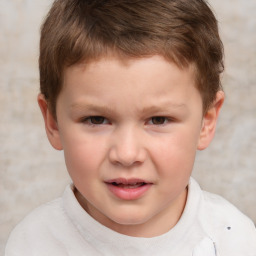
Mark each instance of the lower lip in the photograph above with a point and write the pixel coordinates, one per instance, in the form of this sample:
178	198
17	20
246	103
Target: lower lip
129	193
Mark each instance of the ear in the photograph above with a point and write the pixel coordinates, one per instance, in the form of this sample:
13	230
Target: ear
51	125
209	122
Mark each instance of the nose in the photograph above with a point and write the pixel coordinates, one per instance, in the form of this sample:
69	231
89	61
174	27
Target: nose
127	148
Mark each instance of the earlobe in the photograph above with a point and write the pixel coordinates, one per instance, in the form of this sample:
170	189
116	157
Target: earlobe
209	122
51	125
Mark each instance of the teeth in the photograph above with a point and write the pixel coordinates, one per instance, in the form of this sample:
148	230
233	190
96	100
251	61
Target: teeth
131	185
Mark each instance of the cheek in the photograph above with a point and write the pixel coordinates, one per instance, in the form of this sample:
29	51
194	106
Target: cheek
175	155
83	158
174	163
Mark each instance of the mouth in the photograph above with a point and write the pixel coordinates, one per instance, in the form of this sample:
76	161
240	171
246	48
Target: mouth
128	189
127	183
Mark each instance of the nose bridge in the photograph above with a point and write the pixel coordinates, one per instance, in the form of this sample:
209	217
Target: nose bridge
127	147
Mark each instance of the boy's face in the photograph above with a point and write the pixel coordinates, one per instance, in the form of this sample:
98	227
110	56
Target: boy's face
130	130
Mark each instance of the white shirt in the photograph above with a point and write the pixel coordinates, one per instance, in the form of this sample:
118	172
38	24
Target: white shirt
209	226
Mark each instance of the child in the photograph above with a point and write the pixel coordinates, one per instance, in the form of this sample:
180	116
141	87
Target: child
130	90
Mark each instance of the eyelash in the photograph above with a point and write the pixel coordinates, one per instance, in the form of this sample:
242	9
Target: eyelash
89	121
163	120
160	120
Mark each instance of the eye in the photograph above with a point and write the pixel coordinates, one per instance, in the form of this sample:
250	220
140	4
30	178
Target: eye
95	120
158	120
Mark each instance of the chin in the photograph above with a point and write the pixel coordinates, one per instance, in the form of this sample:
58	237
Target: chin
130	219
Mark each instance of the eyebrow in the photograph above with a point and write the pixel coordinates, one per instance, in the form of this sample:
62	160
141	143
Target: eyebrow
163	107
108	110
93	107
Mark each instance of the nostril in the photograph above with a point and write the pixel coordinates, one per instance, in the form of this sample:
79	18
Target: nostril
124	159
127	152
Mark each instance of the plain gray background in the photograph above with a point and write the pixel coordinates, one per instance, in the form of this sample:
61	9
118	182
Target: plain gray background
32	173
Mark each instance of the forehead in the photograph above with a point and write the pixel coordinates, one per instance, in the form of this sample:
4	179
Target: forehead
141	82
134	66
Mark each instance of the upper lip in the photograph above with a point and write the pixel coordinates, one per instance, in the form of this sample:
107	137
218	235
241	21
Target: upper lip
125	181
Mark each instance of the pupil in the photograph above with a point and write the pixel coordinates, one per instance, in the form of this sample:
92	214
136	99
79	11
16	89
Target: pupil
97	119
158	120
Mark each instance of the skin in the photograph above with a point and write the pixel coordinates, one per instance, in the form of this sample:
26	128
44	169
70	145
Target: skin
131	119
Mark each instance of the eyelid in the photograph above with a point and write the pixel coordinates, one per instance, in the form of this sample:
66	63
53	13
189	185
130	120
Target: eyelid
88	120
166	121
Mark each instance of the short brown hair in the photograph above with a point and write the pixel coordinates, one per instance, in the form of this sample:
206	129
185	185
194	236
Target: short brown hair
183	31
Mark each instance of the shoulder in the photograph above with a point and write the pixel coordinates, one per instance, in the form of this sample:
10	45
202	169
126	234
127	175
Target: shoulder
41	215
224	212
35	228
50	230
47	230
231	230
